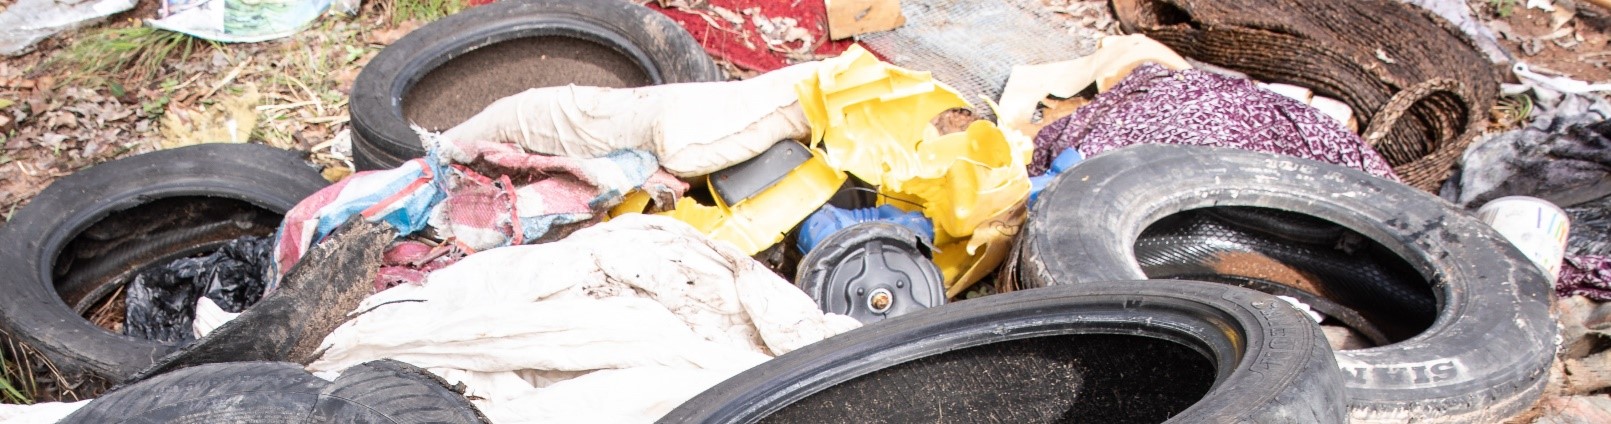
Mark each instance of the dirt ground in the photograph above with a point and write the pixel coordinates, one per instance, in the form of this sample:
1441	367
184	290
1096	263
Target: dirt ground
69	104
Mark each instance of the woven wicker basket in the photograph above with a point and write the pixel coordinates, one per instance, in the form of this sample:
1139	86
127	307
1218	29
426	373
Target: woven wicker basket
1418	86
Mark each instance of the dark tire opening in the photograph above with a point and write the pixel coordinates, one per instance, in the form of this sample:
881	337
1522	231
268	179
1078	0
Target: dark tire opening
92	271
1133	351
70	246
1066	379
458	89
1355	282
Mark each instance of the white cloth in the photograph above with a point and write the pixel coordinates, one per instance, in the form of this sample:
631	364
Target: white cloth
619	322
39	413
693	128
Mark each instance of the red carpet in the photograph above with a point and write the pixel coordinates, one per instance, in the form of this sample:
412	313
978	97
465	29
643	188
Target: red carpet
742	43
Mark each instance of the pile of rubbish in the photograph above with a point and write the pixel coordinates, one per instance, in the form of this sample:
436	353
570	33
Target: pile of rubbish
1315	243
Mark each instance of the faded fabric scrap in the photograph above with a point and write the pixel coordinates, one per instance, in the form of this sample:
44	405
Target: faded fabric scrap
1157	106
498	196
1586	275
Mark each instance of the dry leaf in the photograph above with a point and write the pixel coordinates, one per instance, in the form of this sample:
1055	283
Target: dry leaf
391	35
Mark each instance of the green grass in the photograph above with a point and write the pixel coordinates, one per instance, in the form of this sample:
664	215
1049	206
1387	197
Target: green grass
135	54
10	371
423	10
11	394
1503	8
1513	110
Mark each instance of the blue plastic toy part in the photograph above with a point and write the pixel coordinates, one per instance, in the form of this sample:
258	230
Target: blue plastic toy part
828	219
1065	160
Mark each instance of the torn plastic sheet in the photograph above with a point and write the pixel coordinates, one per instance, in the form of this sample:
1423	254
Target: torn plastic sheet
1564	160
162	299
764	219
621	321
239	21
28	21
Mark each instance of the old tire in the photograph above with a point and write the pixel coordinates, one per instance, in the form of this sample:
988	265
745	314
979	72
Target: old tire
1485	357
1265	361
374	392
382	137
229	190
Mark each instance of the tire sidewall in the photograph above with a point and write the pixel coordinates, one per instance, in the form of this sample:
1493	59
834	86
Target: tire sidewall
1271	363
1492	338
270	178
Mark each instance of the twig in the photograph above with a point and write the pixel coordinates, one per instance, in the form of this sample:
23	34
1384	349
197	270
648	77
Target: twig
316	103
326	119
228	78
265	108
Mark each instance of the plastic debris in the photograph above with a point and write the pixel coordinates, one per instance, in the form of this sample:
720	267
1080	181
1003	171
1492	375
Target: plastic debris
1591	228
1566	161
209	316
1064	161
872	271
162	299
873	120
239	21
763	219
1561	84
28	21
1228	112
830	219
605	333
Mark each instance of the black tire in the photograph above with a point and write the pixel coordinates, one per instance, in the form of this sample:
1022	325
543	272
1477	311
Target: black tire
1262	361
225	190
1485	357
281	392
382	137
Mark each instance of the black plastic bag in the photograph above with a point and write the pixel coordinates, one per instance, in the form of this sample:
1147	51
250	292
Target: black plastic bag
161	300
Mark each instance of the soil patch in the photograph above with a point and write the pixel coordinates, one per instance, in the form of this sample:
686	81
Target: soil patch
458	89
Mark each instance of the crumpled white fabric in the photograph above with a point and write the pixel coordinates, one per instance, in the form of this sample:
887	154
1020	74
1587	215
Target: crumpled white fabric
619	322
39	413
693	128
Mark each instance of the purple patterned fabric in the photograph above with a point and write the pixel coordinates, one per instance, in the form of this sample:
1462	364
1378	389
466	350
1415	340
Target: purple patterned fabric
1586	275
1154	105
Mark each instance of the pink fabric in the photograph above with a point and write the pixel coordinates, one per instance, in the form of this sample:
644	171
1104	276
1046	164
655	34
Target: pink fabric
1157	106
